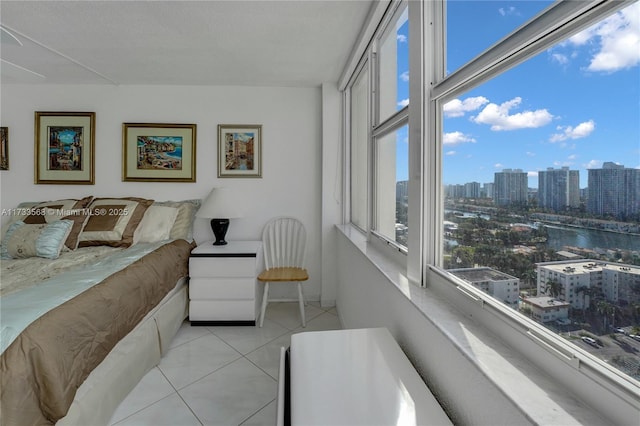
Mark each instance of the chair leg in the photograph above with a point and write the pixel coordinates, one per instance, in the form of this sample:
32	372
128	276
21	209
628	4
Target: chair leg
265	298
301	303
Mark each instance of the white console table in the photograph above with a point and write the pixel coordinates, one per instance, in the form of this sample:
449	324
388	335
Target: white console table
354	377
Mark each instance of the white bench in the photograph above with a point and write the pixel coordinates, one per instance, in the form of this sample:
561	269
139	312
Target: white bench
353	377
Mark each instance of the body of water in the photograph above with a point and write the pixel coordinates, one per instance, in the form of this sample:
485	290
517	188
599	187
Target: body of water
560	236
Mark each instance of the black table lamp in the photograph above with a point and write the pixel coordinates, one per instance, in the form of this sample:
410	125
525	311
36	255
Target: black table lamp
219	206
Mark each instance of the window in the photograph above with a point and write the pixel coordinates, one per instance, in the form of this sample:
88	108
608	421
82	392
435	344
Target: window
517	165
359	148
392	196
393	64
537	137
379	187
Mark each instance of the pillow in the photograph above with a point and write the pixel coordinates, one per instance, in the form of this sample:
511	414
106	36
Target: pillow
79	217
156	224
113	221
50	211
183	226
35	240
17	214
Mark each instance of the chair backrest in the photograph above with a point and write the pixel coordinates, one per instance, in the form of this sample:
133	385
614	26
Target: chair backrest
284	242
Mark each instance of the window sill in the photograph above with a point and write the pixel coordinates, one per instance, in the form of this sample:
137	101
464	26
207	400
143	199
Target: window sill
539	396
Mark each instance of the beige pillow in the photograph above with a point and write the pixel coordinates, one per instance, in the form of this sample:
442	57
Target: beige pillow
156	224
113	221
183	225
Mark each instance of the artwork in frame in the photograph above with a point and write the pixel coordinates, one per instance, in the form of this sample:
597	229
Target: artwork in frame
153	152
64	148
239	150
4	148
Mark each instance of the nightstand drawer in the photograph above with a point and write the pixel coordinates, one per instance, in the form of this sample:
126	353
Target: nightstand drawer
222	267
222	310
222	288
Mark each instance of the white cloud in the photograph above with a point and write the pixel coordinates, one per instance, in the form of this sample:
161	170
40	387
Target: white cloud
457	108
403	103
455	138
582	130
532	174
593	164
402	38
499	118
508	11
560	58
498	166
450	153
531	154
572	157
404	76
618	39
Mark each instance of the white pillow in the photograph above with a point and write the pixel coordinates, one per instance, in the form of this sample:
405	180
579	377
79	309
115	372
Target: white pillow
156	224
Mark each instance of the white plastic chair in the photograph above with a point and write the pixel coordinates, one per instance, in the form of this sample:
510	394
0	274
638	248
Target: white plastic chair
284	242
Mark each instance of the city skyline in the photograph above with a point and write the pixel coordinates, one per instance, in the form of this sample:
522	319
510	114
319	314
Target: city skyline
573	105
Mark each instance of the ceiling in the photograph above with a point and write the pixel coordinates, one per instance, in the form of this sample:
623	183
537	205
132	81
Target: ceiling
259	43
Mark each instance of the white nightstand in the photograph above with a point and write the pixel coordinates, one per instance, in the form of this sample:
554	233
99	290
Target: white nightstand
222	283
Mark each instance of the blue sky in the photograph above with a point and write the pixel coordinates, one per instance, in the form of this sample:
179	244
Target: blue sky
576	104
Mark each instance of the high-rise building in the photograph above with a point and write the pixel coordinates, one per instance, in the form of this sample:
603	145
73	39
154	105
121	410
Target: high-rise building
472	190
510	187
559	189
614	190
487	190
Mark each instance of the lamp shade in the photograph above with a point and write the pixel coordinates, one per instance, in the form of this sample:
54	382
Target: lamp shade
220	203
220	206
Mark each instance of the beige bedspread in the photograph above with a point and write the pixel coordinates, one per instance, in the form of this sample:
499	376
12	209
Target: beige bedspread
50	359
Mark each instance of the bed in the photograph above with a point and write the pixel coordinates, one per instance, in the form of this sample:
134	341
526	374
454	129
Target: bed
92	292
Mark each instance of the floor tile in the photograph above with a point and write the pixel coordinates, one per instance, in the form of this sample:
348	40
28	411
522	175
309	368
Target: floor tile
264	417
187	333
287	314
152	388
170	411
324	321
191	361
267	357
231	395
247	339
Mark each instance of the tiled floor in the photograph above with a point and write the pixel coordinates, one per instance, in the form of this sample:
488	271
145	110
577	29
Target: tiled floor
220	375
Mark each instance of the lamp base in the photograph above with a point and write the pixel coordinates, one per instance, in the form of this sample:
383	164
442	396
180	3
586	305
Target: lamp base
219	228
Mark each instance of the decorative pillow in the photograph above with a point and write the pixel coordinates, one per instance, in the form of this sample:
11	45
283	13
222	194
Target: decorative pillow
113	221
156	224
183	225
50	211
35	240
79	217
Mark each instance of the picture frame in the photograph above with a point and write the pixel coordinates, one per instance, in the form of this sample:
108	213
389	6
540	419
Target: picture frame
158	152
4	148
64	147
239	151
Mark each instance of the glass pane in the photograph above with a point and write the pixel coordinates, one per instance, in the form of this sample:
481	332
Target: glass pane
359	143
466	39
542	172
394	66
392	197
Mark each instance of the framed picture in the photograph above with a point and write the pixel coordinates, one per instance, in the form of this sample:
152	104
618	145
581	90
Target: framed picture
65	147
4	148
239	150
158	152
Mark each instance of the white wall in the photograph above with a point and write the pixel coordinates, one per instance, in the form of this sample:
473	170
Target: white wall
291	182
